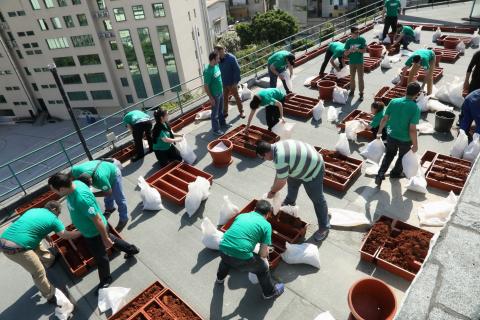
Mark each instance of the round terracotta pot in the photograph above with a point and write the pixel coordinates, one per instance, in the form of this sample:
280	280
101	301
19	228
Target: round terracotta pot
325	87
451	42
221	158
403	82
375	50
438	58
370	298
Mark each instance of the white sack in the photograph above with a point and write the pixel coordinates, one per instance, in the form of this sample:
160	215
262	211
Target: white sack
410	164
347	218
306	253
372	169
211	237
246	93
228	211
283	130
308	81
276	201
473	149
340	95
204	186
425	128
318	110
374	151
151	198
291	210
396	58
418	183
342	146
455	92
442	94
417	32
64	308
186	152
344	72
332	114
398	77
437	213
461	142
219	147
435	105
324	316
112	298
475	39
288	80
193	198
422	102
202	115
461	47
437	34
352	128
386	63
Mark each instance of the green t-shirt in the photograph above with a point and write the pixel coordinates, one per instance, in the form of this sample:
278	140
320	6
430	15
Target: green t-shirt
247	230
279	60
392	7
135	116
213	79
105	176
164	133
270	95
408	31
337	48
377	118
83	207
32	227
426	56
360	43
402	112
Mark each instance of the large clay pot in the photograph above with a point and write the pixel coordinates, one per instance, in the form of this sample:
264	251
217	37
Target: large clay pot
375	50
451	42
325	87
221	158
371	299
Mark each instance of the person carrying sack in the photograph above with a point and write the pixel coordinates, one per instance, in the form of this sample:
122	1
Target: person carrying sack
140	125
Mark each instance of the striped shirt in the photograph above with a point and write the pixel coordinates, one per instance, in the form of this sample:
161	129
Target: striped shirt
297	160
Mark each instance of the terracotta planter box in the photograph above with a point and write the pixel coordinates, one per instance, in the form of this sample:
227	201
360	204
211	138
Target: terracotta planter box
379	95
176	306
299	106
283	220
375	239
437	74
125	154
342	83
176	125
448	173
155	310
369	63
342	163
391	49
244	144
358	115
221	158
395	92
448	55
38	202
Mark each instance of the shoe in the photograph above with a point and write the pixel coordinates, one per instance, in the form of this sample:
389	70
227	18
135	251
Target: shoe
397	175
225	116
218	281
103	285
52	300
218	133
121	224
227	126
321	234
360	97
242	115
378	180
277	291
108	212
133	251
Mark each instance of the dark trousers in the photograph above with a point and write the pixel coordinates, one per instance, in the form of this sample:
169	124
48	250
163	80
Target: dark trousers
328	56
394	146
273	80
406	40
389	22
254	265
166	156
272	115
138	131
384	133
99	252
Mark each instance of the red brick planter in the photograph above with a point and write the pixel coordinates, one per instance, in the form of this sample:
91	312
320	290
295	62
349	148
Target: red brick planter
299	106
391	49
222	158
379	95
125	154
38	202
371	298
358	115
244	144
451	42
369	63
448	55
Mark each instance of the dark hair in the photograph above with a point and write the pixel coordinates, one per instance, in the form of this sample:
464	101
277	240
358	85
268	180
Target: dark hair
263	147
85	178
53	206
255	103
416	58
378	105
413	88
399	27
263	207
354	29
291	59
212	56
60	180
158	114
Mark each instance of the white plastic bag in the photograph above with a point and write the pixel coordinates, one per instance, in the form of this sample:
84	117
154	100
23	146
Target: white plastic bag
398	77
437	214
455	92
410	164
276	201
318	110
422	102
306	253
437	34
219	147
387	40
202	115
228	211
246	93
459	145
204	186
442	94
193	198
112	298
347	218
211	237
283	130
332	114
291	210
372	169
386	63
473	149
352	128
308	81
64	307
425	128
417	32
374	151
151	198
461	47
324	316
340	95
186	152
344	72
396	58
475	39
288	80
435	105
418	183
342	146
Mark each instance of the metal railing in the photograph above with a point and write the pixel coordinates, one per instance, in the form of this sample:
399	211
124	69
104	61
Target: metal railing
22	173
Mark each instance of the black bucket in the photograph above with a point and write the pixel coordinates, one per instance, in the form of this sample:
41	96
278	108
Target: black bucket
444	121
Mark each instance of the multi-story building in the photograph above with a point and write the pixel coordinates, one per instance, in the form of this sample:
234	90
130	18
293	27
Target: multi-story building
108	53
217	18
245	9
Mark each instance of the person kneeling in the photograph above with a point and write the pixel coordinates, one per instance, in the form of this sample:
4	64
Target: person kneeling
164	139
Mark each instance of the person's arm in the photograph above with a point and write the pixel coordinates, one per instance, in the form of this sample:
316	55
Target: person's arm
67	235
290	69
263	252
97	221
412	130
170	140
100	194
129	127
249	121
209	94
280	109
278	185
382	125
332	62
474	63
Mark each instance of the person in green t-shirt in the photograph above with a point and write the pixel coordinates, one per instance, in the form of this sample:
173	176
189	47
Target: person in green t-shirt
355	47
21	243
377	108
238	245
140	125
272	99
405	37
401	118
334	51
422	58
214	88
164	139
87	217
277	64
390	16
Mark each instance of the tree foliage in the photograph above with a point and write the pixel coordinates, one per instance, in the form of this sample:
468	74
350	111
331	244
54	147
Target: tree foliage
230	40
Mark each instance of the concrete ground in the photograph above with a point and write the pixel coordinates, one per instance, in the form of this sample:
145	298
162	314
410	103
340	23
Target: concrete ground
170	242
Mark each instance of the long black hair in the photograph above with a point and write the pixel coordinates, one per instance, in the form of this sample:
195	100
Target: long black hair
158	115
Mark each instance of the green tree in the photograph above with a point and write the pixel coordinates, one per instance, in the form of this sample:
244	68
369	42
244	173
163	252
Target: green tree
245	33
230	40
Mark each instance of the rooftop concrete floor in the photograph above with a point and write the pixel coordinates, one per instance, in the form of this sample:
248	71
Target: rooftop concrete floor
170	242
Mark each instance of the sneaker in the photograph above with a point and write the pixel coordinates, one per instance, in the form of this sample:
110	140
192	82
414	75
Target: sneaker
397	175
361	96
321	234
218	281
278	290
378	180
108	212
103	285
242	115
121	224
133	251
218	133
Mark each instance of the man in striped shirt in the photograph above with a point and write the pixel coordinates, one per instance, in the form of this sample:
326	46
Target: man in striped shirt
298	163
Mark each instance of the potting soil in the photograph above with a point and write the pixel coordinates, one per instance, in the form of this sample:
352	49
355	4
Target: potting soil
378	235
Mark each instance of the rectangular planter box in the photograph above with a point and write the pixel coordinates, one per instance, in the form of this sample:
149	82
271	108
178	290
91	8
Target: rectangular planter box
125	154
342	83
448	55
155	310
246	144
365	253
38	202
335	164
395	92
437	74
465	39
298	105
358	115
369	63
393	268
176	306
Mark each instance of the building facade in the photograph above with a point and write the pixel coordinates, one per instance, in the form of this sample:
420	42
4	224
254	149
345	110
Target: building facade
217	18
109	53
246	9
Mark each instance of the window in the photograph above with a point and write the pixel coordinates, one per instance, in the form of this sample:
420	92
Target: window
119	14
34	45
57	43
21	34
37	69
101	4
43	24
132	62
82	41
30	33
51	101
8	88
113	45
68	21
77	95
194	13
12	14
189	18
44	86
21	13
38	51
48	3
124	82
89	59
59	101
62	3
19	54
27	71
45	70
101	95
52	86
119	64
158	10
8	71
35	4
129	98
149	55
98	77
64	62
34	86
168	56
2	19
75	2
16	88
56	23
2	99
138	13
71	79
82	19
29	52
27	45
16	103
107	24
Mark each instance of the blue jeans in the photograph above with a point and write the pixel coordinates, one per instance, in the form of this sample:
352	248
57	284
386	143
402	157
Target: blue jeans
314	191
406	40
218	118
273	80
119	197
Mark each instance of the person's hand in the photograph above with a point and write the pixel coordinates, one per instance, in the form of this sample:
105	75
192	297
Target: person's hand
379	136
107	243
212	101
245	131
283	120
465	85
414	148
270	194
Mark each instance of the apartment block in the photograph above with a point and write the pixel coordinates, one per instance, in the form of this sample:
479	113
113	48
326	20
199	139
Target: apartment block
245	9
109	53
217	18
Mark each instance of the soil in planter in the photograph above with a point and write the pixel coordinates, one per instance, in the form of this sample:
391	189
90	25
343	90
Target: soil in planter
340	163
442	177
157	313
138	317
139	302
378	235
449	172
71	256
178	308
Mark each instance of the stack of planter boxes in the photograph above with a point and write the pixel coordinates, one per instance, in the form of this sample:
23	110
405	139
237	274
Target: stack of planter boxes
299	106
38	202
245	144
173	179
358	115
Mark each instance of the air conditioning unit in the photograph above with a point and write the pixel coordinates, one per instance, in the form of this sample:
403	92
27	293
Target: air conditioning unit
111	34
101	35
